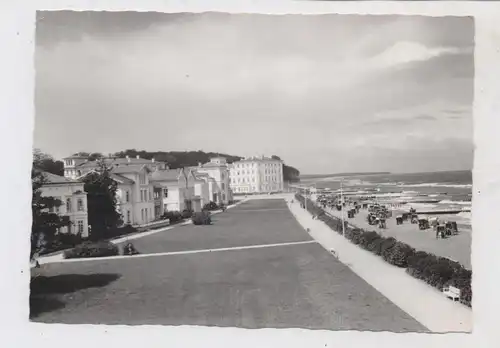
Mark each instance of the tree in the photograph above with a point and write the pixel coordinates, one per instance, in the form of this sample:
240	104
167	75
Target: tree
101	200
95	156
47	163
45	220
290	174
276	157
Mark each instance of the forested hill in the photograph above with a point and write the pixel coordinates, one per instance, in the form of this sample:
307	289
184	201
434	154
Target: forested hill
179	159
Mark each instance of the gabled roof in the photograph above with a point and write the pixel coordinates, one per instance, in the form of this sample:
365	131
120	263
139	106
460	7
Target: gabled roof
76	157
115	176
137	168
58	179
165	175
121	179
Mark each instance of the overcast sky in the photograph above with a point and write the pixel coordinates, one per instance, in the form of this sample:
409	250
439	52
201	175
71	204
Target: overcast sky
329	93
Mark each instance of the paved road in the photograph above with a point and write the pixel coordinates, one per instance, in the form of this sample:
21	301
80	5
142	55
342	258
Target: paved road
298	285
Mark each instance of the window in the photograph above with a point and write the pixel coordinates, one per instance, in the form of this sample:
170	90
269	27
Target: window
68	205
128	216
165	192
149	194
142	214
223	186
142	198
80	204
142	178
146	214
80	226
127	196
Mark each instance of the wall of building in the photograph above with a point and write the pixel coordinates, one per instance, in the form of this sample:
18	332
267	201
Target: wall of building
142	198
125	204
260	175
74	205
201	190
221	177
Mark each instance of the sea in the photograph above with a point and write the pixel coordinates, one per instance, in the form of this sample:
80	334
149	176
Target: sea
446	190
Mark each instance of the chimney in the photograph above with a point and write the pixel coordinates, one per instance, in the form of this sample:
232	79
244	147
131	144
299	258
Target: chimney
137	156
153	160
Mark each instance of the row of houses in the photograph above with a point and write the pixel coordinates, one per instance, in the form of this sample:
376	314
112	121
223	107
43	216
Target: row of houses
146	189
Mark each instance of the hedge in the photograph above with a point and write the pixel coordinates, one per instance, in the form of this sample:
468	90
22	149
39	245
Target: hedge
201	218
90	249
173	216
210	206
435	271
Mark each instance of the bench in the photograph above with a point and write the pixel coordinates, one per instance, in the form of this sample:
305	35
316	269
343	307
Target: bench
452	293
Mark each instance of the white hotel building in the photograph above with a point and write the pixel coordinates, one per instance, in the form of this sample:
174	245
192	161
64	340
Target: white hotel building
256	175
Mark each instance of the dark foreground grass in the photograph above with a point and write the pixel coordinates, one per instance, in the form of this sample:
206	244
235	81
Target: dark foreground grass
48	293
287	286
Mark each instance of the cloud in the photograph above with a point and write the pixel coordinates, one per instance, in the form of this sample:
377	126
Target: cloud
246	84
405	52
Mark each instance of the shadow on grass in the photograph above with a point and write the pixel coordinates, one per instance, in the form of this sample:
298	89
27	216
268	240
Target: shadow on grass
66	283
44	289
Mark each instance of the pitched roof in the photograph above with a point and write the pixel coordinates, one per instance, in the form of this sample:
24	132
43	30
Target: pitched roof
213	165
165	175
135	168
258	159
121	178
118	161
76	157
58	179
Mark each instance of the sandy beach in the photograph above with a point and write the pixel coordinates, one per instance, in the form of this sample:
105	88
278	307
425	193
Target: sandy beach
457	248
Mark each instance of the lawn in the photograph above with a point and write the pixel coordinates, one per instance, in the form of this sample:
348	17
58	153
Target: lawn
300	286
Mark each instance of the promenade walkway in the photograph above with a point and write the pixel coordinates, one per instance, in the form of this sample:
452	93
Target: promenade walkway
421	301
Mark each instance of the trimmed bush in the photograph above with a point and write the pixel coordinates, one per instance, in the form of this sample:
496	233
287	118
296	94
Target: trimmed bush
398	255
201	218
210	206
90	249
186	214
173	216
386	245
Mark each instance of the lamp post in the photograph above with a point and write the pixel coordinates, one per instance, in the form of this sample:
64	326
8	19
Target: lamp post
342	205
305	198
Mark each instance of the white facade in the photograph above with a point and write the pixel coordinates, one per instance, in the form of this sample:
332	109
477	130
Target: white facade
256	175
135	194
178	188
73	199
218	170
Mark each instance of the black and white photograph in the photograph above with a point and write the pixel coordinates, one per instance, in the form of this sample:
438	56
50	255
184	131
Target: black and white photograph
253	170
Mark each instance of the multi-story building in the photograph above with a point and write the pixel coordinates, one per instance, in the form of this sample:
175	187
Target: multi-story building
256	175
177	188
74	202
218	170
134	194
